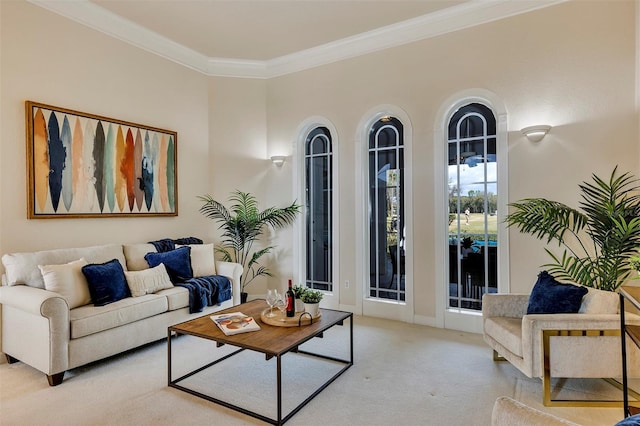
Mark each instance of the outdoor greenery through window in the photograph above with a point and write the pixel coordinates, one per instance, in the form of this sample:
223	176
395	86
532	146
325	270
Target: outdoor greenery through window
386	210
318	193
473	196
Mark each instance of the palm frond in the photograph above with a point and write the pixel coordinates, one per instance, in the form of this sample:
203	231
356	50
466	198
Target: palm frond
545	219
243	224
610	219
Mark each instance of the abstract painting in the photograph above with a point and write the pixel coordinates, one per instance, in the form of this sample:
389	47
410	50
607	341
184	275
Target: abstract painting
84	165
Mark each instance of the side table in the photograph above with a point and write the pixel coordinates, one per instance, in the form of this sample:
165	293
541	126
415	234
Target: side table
631	295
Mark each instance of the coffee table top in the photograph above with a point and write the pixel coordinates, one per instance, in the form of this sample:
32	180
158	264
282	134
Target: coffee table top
269	339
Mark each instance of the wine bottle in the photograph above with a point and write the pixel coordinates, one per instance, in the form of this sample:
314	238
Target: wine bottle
291	301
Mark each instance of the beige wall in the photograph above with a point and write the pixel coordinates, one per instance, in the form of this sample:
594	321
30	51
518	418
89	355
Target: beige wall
50	59
570	65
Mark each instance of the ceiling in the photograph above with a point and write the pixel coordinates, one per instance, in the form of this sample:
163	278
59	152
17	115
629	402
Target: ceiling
266	38
266	29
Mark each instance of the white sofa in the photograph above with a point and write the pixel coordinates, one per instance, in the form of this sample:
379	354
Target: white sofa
39	328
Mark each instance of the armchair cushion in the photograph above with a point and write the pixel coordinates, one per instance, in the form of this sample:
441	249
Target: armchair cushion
508	331
552	297
600	302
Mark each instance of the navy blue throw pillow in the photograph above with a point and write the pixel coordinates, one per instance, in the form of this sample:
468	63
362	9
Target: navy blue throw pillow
177	262
552	297
107	283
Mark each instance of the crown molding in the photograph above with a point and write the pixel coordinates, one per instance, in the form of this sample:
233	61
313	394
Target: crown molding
465	15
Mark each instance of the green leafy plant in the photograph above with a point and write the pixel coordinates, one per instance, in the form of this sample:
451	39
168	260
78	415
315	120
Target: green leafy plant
310	295
243	224
635	264
599	242
298	290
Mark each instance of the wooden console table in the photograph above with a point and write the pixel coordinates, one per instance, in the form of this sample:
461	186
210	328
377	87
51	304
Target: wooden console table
631	295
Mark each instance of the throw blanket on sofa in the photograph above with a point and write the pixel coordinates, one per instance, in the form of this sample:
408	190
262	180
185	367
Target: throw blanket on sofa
203	291
206	291
167	244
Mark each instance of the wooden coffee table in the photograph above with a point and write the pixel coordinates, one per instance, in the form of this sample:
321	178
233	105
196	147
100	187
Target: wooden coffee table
270	340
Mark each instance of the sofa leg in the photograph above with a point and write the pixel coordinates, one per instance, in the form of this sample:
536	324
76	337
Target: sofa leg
497	356
55	379
10	359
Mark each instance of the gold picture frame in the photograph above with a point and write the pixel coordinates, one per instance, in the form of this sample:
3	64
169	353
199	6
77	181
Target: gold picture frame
84	165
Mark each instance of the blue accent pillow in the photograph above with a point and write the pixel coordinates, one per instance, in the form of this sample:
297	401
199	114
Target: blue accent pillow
552	297
177	262
107	283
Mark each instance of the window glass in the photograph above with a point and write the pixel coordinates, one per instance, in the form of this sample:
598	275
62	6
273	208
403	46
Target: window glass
318	203
386	210
472	208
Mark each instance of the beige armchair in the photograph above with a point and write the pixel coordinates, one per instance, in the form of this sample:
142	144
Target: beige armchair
582	345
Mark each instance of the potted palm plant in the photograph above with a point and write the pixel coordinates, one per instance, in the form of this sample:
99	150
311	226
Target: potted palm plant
311	299
601	241
243	224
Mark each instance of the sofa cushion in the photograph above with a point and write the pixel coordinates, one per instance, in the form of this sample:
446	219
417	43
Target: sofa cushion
134	253
177	297
177	262
148	281
203	261
22	268
599	302
107	283
68	281
507	331
89	319
552	297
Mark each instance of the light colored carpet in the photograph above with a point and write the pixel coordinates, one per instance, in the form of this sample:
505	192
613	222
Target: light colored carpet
404	374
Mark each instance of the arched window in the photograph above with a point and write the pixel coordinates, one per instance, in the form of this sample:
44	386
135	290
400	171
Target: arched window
318	203
386	210
473	204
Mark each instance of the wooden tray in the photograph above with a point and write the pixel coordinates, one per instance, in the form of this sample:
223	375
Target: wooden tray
282	320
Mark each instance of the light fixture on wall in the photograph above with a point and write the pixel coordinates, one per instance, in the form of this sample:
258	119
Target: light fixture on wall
278	160
536	133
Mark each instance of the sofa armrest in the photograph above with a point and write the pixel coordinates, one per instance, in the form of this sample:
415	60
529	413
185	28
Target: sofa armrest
35	325
36	301
233	271
504	305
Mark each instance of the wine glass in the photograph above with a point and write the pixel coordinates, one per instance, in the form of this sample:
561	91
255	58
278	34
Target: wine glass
281	305
272	297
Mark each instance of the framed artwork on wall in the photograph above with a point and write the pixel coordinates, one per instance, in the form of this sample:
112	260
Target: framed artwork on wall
85	165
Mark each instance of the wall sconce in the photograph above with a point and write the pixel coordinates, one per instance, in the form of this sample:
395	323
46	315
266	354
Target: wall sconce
278	160
536	133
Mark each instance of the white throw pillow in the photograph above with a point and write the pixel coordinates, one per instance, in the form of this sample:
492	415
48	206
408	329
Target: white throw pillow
68	281
599	302
203	261
148	281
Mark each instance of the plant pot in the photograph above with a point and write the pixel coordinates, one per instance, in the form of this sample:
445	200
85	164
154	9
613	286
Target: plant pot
312	308
243	297
299	305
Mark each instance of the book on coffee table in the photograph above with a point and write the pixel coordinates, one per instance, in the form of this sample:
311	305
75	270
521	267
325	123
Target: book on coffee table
235	323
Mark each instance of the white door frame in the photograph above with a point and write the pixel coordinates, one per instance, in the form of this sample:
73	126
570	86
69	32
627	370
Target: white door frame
331	300
456	318
364	304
